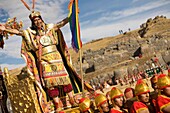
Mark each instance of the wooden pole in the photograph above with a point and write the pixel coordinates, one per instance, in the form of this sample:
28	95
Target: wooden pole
81	73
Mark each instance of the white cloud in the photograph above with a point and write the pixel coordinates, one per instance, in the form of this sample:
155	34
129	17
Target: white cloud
92	13
119	14
109	30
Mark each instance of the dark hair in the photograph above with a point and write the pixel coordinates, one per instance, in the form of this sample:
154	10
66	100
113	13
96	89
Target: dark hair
33	26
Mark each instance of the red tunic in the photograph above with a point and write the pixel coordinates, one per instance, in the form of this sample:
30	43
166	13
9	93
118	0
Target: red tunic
138	106
115	111
163	101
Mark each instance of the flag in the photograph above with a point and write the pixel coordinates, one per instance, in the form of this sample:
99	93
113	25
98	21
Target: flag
74	25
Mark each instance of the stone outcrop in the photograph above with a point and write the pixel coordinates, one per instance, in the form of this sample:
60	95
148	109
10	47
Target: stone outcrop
132	49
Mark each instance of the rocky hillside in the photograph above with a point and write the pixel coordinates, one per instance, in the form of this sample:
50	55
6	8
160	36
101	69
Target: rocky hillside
127	52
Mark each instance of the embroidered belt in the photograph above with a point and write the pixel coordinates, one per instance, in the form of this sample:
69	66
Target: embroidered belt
48	49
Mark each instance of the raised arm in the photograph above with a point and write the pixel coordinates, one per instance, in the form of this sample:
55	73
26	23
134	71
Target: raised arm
3	29
61	23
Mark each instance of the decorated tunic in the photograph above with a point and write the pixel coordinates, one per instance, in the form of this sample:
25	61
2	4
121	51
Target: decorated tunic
48	59
115	111
54	72
138	106
163	101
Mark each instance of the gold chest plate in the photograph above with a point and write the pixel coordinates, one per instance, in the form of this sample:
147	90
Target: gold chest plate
45	40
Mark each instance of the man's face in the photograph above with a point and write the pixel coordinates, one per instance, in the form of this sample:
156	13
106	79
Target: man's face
129	95
119	101
167	91
105	107
38	22
144	97
155	87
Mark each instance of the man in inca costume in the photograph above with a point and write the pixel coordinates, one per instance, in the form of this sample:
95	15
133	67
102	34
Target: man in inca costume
163	100
47	59
102	103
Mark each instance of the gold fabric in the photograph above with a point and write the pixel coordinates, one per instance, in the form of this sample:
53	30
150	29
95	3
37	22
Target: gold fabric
141	88
99	99
163	81
47	49
115	92
85	105
35	14
54	72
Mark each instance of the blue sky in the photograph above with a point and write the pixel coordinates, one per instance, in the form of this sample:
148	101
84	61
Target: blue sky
98	19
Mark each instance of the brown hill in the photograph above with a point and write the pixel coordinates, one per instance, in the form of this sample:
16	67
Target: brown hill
112	55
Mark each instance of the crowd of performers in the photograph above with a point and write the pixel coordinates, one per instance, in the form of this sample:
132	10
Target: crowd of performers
48	61
137	100
129	78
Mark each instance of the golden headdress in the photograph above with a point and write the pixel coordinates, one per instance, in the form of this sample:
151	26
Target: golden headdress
141	87
100	99
163	81
115	92
84	105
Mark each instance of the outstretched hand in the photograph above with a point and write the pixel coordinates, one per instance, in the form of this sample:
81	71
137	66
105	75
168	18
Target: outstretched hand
2	27
6	30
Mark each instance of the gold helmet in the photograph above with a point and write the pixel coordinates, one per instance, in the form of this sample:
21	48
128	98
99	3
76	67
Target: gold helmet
141	87
84	105
163	81
34	14
100	99
115	92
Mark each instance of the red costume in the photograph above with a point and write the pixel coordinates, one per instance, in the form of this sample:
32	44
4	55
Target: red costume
115	111
142	88
162	101
137	106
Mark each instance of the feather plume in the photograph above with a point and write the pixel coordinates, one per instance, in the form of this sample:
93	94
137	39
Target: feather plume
26	5
33	4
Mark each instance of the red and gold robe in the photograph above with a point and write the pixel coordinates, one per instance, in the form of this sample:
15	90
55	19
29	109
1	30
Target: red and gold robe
115	111
138	106
48	61
163	101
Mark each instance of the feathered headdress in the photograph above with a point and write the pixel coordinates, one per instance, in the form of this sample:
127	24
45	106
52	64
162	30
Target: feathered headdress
33	13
